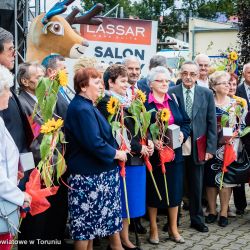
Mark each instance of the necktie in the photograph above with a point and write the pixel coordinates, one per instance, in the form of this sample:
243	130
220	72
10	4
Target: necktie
189	103
133	90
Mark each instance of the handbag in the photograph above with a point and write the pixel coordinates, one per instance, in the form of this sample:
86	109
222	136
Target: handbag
9	213
238	171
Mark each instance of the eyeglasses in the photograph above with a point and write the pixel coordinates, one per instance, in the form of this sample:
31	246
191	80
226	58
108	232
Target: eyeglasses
203	65
161	81
186	74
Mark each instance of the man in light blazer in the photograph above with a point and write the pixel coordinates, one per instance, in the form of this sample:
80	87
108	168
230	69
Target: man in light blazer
199	105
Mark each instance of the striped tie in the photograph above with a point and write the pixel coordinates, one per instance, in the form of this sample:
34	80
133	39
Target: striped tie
189	103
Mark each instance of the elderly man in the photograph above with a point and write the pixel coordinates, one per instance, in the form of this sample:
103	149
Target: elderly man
200	107
203	62
14	119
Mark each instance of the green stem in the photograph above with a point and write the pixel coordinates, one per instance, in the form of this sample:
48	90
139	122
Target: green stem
166	188
126	198
156	188
221	180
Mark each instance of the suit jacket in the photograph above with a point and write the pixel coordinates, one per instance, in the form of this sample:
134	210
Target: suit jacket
61	106
91	146
28	105
180	118
9	157
241	92
203	120
17	124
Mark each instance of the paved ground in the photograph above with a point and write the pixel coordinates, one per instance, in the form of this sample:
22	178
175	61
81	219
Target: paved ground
235	236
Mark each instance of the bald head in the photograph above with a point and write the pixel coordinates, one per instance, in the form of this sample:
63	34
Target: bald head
203	61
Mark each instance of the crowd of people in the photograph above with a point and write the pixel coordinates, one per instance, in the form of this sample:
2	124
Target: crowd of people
91	197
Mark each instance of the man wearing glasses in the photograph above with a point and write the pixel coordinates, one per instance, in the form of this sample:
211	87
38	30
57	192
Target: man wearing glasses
203	62
198	103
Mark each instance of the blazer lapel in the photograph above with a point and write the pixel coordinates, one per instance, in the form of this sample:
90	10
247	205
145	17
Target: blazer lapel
179	93
198	100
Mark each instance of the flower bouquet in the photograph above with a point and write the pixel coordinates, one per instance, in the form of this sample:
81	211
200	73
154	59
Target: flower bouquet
142	119
158	131
116	120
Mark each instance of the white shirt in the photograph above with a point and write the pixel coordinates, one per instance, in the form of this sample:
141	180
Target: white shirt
203	83
247	88
129	91
32	96
9	157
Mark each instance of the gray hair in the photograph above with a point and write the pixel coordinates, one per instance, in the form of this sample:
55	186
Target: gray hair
201	56
23	71
157	60
245	67
155	71
127	59
6	79
189	63
216	76
5	37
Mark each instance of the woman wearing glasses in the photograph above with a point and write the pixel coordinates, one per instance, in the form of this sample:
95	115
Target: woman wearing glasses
158	99
219	83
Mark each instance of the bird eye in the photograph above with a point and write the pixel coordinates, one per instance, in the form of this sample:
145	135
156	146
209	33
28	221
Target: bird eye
57	28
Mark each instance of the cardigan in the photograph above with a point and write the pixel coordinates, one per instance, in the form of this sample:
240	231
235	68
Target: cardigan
91	146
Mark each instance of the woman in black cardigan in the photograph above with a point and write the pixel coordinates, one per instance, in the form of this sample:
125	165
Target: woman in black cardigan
159	79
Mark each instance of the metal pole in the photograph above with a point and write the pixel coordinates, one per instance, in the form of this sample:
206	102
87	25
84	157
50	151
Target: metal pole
16	44
106	14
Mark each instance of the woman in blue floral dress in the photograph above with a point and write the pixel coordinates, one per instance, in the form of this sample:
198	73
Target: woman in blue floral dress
94	193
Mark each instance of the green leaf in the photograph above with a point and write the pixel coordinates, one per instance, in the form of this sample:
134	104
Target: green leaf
45	146
110	118
155	131
60	166
224	120
145	122
115	126
135	108
49	107
245	131
238	110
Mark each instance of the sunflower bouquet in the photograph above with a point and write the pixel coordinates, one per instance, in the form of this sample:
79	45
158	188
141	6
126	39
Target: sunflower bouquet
159	133
52	164
142	119
116	119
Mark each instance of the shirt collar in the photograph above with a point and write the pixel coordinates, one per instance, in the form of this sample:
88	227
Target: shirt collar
32	96
185	89
247	87
152	99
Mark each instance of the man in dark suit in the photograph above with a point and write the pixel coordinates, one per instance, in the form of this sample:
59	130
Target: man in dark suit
13	117
243	91
200	107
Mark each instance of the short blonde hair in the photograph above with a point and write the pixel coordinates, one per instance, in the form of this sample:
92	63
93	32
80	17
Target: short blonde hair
85	62
216	76
6	79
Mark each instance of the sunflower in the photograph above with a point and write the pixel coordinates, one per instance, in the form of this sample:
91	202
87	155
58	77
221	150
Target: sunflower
233	56
112	105
241	101
141	95
165	115
51	126
62	78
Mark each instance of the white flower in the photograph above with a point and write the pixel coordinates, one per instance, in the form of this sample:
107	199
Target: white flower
104	211
85	207
93	195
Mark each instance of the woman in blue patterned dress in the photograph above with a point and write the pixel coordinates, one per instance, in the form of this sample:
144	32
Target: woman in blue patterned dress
94	193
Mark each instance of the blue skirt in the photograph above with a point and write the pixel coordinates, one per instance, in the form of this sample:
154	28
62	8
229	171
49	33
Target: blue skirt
136	189
94	205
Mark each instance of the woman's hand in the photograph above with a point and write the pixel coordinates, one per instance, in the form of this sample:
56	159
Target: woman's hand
27	199
144	150
121	155
158	145
150	147
181	137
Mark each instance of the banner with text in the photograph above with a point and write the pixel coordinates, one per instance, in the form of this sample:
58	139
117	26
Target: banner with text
116	39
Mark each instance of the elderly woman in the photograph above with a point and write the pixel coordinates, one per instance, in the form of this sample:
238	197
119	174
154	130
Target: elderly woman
158	98
94	193
219	83
116	84
9	155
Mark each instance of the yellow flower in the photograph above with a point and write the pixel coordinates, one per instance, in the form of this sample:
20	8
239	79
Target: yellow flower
141	95
233	56
112	105
241	101
165	115
62	78
51	126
